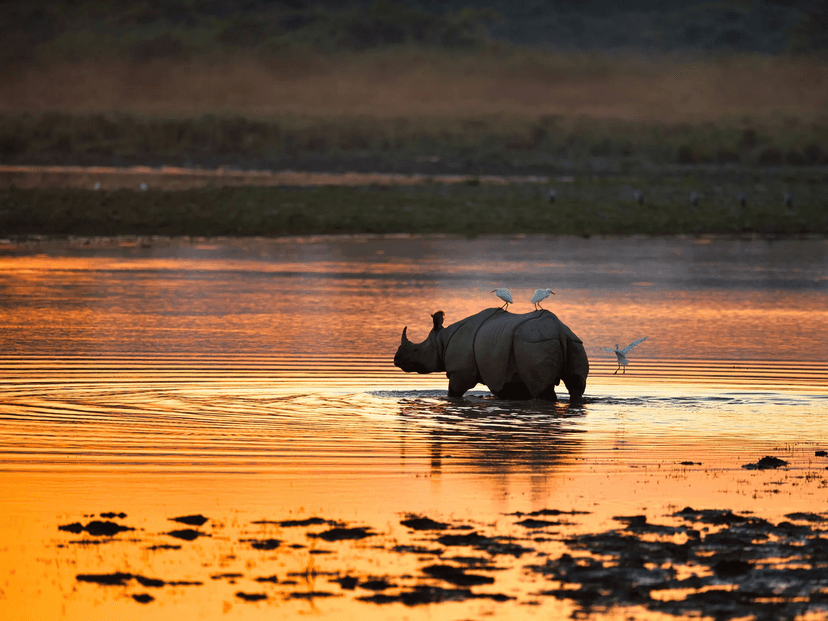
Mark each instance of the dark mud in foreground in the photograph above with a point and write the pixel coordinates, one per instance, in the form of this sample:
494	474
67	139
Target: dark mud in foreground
701	562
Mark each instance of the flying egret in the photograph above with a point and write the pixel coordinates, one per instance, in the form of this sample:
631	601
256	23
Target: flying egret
504	294
541	294
621	354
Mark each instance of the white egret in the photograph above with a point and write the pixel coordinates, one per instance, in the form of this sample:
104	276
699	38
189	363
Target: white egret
504	294
552	195
621	354
541	294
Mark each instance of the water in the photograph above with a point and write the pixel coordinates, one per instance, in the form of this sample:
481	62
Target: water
251	381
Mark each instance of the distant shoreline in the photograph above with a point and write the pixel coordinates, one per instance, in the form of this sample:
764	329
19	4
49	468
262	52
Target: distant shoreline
141	201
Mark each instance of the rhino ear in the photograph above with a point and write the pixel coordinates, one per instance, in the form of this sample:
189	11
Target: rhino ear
404	339
438	319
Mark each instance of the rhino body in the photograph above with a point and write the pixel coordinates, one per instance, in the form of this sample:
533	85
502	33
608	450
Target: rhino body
515	356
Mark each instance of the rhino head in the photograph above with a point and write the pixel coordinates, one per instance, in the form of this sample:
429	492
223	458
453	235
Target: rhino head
425	357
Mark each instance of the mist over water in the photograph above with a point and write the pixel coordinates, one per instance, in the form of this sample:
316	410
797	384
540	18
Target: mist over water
253	379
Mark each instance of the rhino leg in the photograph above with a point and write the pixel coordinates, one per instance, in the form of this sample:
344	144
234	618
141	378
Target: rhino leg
576	386
548	394
459	383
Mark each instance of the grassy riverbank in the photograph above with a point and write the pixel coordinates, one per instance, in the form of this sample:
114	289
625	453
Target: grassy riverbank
584	205
412	110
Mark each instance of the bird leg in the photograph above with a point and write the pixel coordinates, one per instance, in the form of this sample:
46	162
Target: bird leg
505	306
618	369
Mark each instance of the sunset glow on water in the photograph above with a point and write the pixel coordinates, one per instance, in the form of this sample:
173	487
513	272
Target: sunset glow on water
251	382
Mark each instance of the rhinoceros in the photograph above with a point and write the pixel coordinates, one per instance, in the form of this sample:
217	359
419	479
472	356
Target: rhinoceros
515	356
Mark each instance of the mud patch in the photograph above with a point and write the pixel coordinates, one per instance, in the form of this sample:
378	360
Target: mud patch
95	528
421	595
747	567
766	463
122	579
263	544
344	534
187	534
456	575
491	545
692	562
415	522
191	520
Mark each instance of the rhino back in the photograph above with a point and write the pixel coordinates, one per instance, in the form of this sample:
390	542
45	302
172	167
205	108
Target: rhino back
458	342
494	349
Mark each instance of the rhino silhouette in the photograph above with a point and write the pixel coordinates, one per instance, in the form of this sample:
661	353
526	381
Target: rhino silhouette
515	356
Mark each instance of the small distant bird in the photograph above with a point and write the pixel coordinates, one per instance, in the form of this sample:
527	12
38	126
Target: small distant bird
788	199
541	294
504	294
143	187
621	354
694	199
552	195
743	200
97	185
639	197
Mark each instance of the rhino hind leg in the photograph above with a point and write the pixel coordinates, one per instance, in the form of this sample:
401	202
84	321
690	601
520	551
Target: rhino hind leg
576	386
548	394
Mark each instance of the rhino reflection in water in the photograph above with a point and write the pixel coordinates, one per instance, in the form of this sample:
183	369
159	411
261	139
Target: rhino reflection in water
515	356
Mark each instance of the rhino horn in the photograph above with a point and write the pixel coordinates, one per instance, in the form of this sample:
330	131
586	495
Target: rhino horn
404	339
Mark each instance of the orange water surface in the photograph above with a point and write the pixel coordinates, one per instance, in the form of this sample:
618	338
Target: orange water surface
251	381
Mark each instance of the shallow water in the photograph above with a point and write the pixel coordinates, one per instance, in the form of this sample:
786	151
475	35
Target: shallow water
251	381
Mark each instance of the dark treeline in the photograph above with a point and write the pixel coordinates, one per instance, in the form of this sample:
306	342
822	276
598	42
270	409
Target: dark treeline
180	28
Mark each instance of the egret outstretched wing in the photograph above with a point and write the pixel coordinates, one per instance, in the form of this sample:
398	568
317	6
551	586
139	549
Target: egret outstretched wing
633	344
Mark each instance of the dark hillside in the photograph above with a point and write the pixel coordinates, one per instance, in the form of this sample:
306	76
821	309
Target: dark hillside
180	28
